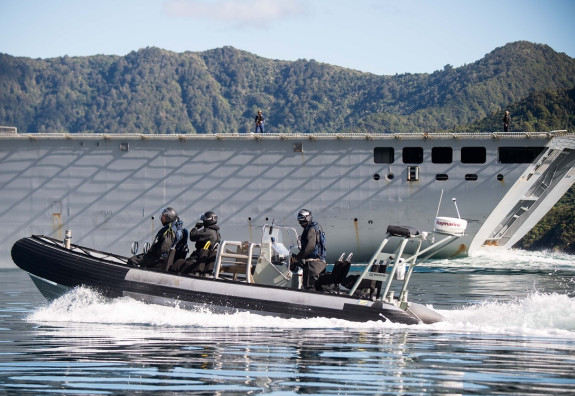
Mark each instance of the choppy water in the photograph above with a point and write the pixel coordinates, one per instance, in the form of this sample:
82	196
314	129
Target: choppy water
510	329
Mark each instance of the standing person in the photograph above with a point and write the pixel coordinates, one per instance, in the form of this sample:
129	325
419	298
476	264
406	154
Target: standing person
312	252
157	255
206	235
506	120
260	122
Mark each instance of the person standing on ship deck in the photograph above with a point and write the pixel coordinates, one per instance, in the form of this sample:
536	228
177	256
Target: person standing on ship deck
506	120
260	122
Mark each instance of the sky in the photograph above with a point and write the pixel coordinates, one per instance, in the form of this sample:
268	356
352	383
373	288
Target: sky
383	37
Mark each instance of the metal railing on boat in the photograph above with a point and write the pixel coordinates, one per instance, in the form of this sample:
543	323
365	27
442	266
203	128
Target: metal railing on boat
397	255
236	262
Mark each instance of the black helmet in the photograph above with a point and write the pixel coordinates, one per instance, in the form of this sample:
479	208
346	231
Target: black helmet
170	214
209	218
304	217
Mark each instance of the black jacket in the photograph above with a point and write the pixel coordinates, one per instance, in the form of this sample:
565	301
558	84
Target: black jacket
200	236
163	242
309	240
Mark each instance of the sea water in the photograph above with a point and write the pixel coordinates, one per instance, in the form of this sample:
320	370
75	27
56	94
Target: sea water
509	329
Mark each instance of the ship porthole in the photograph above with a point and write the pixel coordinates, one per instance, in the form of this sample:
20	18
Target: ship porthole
390	176
500	177
376	176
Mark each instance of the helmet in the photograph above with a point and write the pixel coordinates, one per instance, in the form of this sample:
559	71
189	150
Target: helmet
170	214
304	217
209	218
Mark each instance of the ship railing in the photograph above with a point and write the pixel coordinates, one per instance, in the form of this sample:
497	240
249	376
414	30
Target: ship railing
8	130
279	136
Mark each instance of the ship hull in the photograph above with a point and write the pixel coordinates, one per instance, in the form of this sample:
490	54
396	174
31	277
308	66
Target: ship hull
109	189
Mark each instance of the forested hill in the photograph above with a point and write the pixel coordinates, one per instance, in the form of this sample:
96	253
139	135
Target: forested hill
219	91
539	111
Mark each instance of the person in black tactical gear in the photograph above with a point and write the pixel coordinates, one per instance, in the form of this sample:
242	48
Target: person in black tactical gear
157	254
206	235
311	256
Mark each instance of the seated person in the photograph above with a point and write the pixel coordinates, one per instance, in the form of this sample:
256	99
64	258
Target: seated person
206	235
157	255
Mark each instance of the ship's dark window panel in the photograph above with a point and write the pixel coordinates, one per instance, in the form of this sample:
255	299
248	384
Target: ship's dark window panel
441	155
473	155
441	177
412	155
383	155
471	176
519	155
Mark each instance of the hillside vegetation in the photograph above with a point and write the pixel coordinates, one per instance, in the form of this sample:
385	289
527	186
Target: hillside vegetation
540	111
219	91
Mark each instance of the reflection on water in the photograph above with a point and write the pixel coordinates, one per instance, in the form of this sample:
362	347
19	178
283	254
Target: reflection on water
509	330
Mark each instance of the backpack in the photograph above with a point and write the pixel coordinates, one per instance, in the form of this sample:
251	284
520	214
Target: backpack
181	239
320	246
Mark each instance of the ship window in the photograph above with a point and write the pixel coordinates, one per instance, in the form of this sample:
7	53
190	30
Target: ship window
383	155
473	155
412	155
441	155
441	176
471	176
519	155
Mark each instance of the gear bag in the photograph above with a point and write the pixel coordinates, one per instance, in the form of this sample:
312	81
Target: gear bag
320	246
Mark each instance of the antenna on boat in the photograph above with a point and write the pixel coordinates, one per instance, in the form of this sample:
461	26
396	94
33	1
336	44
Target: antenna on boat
456	208
439	204
272	226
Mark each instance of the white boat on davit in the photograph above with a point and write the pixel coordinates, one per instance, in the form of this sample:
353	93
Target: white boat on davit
107	188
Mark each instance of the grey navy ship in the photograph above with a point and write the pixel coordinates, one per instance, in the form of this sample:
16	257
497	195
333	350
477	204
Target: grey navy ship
108	189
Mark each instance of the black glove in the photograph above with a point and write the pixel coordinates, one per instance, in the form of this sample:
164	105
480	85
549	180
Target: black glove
199	224
293	263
